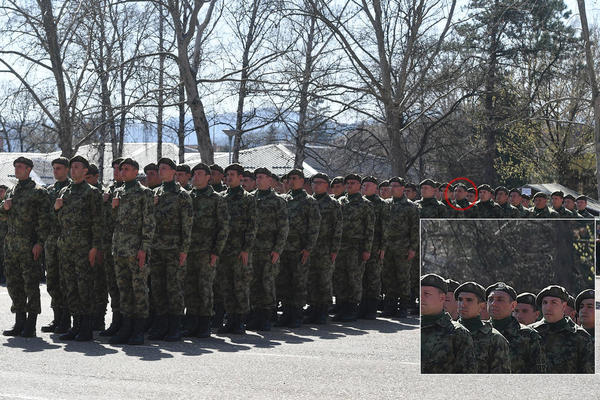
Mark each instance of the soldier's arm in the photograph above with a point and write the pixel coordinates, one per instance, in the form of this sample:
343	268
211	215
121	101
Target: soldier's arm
464	357
338	225
222	226
537	355
187	221
250	232
95	200
385	225
500	357
586	356
149	222
283	225
413	230
314	225
44	219
369	221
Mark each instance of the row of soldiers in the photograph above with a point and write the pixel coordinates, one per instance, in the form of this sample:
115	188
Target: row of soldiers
184	247
498	331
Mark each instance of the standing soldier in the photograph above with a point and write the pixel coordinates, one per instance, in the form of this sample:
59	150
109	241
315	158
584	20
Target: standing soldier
385	190
582	207
428	206
322	260
485	207
183	176
402	246
557	205
209	233
540	209
3	229
585	304
173	215
79	211
304	223
133	209
152	178
410	191
508	211
216	180
249	181
526	311
234	272
569	202
271	235
471	196
451	304
516	201
61	321
372	276
26	209
337	187
357	240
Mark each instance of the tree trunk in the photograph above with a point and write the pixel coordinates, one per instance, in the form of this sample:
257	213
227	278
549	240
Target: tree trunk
181	127
161	77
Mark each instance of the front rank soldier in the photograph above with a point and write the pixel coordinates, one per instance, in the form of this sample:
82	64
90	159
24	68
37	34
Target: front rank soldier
540	209
569	203
411	191
585	305
557	205
385	190
485	207
582	207
460	201
338	188
516	201
152	178
508	211
428	206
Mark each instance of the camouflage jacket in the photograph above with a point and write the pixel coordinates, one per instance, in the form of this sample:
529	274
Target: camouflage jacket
359	222
211	221
242	221
29	216
509	211
526	354
330	232
305	220
586	214
446	347
174	218
564	213
523	212
568	347
134	221
53	193
431	208
219	187
574	213
491	348
109	222
80	217
382	223
273	224
464	203
542	213
486	209
404	224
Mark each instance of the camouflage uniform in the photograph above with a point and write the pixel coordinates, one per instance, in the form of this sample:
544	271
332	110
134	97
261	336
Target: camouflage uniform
491	348
446	346
526	354
523	212
542	213
509	211
219	188
586	214
109	263
568	347
564	213
464	203
487	209
99	288
3	230
431	208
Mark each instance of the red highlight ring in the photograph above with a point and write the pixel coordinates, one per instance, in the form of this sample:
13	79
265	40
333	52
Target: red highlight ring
446	193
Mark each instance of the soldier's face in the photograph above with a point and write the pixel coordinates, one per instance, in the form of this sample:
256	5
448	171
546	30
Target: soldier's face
152	177
61	172
553	308
540	202
233	178
469	305
295	182
525	202
78	171
410	193
432	300
525	313
263	182
500	305
352	186
569	204
117	173
501	198
451	305
581	205
319	186
437	193
484	195
216	177
128	173
92	179
515	199
248	184
369	189
338	189
397	189
587	314
182	177
427	191
165	172
22	171
386	192
557	202
471	197
200	179
460	193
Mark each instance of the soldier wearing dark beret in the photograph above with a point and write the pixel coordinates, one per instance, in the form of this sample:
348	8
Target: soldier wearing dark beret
516	200
446	345
338	188
168	162
410	191
23	160
183	175
526	311
429	206
508	210
582	207
461	201
451	305
585	305
216	180
249	181
471	195
558	206
152	178
486	207
385	190
116	162
569	203
568	347
61	160
540	208
526	201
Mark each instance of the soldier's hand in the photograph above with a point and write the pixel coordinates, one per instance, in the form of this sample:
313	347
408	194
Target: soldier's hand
244	256
305	254
274	257
37	251
381	254
333	257
7	204
366	255
92	256
115	202
411	254
58	203
105	197
182	258
213	260
141	257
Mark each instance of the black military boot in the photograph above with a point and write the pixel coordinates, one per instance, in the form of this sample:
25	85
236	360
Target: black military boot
203	330
72	333
149	322
362	309
296	317
264	320
115	324
285	317
254	320
52	325
29	327
174	331
390	307
16	330
237	325
190	326
311	317
370	311
228	326
124	333
351	313
160	328
137	332
321	314
98	321
64	324
342	310
217	319
85	330
402	311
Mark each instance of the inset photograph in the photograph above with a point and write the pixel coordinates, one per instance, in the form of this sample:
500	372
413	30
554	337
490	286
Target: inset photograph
507	296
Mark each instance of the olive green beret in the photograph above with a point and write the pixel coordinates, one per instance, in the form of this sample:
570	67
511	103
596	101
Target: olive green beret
3	187
235	167
150	167
500	189
515	190
183	168
116	162
386	183
471	287
61	160
80	159
23	160
552	291
129	161
427	182
582	197
527	298
297	172
320	175
411	185
570	196
502	287
352	177
167	161
471	190
336	180
540	194
203	167
435	281
397	179
525	196
460	185
249	174
442	186
586	294
93	170
452	284
371	179
571	302
485	186
558	193
216	167
263	170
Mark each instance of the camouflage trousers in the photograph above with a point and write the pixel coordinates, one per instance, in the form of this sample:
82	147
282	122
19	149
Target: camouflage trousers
22	276
264	276
348	275
372	277
396	273
234	283
76	279
166	277
133	289
198	284
292	280
99	289
415	273
110	268
51	260
320	275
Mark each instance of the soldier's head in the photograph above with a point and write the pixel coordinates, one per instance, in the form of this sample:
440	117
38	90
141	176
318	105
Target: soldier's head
320	183
3	189
427	188
570	309
128	170
525	200
569	202
581	203
471	195
460	191
23	167
436	190
526	311
352	183
385	189
471	299
116	166
264	178
553	302
233	175
450	303
585	305
79	168
201	175
369	185
152	178
515	197
440	191
337	186
501	300
501	194
93	174
183	174
275	183
397	186
217	174
248	181
410	191
296	179
285	183
60	168
540	200
166	169
433	294
485	192
557	199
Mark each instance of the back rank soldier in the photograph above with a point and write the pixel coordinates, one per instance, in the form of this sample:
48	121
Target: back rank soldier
79	211
133	209
26	209
581	202
428	206
516	201
173	215
540	209
485	207
271	235
183	175
585	306
508	211
216	180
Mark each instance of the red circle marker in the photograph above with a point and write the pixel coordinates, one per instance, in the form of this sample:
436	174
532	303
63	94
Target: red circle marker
446	193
